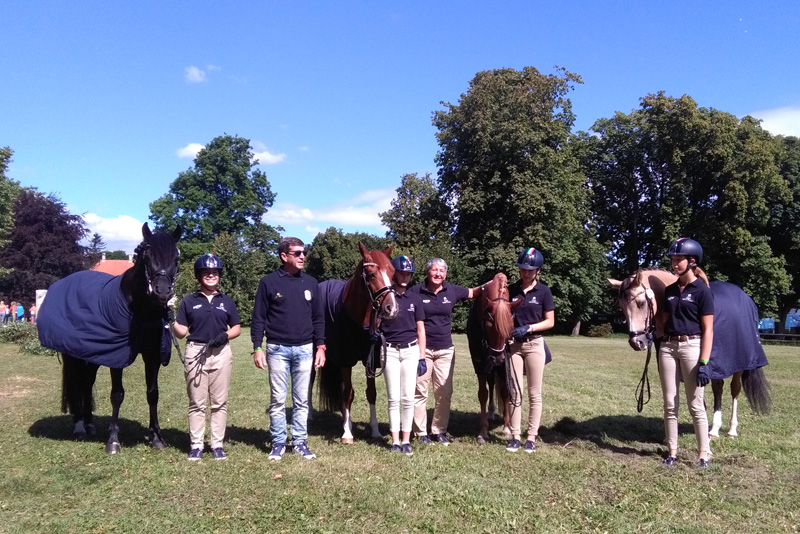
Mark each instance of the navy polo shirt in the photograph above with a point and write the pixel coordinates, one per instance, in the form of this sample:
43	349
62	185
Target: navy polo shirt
207	319
685	309
403	328
438	311
537	301
288	310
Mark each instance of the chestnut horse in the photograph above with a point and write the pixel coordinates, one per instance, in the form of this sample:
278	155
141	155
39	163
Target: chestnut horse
736	351
353	311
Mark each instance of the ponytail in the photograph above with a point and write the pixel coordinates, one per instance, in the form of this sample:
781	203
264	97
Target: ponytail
701	274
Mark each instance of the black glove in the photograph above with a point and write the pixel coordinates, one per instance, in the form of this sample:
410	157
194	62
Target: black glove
375	337
219	340
702	375
520	332
422	367
170	315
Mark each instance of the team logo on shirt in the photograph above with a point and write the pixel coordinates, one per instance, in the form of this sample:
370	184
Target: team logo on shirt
671	298
411	307
426	301
222	307
278	295
445	301
307	294
687	298
196	306
534	301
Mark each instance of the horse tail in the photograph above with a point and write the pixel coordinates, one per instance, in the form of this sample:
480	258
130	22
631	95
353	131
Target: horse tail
757	391
330	384
65	391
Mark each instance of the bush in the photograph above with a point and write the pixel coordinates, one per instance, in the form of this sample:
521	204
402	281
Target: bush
26	335
600	330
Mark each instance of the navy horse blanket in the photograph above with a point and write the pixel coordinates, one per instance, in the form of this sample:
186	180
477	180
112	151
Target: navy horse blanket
736	346
347	342
86	316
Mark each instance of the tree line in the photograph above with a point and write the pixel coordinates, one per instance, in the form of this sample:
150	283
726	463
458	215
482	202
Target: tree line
512	174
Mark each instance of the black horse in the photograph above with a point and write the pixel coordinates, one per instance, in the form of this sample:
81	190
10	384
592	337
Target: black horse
97	319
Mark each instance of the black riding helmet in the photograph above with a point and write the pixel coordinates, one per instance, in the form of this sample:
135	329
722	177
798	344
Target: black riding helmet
529	259
403	264
207	261
685	246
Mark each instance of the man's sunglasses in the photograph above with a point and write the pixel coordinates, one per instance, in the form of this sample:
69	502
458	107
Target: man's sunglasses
296	253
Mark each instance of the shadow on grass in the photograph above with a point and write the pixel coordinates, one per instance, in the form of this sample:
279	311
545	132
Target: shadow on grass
131	433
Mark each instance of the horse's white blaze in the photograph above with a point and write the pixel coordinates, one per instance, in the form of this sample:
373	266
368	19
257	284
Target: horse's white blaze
373	421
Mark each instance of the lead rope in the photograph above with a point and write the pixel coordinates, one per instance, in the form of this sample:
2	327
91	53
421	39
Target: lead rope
644	382
513	382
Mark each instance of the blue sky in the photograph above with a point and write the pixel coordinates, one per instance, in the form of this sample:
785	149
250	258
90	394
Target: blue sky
104	103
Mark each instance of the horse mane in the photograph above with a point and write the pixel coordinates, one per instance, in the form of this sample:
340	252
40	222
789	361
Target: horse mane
497	293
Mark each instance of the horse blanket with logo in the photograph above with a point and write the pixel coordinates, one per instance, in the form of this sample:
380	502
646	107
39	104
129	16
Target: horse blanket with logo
86	316
348	342
737	346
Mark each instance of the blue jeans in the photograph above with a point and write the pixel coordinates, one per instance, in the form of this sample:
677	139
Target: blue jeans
283	361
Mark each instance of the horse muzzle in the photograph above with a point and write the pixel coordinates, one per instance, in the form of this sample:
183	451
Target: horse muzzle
389	308
639	341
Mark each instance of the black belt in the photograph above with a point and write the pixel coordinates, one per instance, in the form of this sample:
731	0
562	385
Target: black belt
529	337
402	345
681	339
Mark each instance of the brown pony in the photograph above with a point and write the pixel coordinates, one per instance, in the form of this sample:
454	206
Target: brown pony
489	328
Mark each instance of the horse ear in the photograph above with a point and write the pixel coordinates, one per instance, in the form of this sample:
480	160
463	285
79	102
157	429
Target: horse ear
146	233
363	249
388	252
176	234
616	284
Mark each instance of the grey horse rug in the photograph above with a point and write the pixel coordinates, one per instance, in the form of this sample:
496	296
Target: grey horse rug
86	316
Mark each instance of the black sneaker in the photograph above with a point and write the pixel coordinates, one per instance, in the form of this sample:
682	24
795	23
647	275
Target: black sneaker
670	460
218	453
530	446
425	439
703	463
441	439
396	447
513	445
195	454
405	448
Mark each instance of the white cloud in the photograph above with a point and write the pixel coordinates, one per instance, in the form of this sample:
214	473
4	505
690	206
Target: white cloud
189	151
361	212
780	121
212	68
193	74
264	156
119	233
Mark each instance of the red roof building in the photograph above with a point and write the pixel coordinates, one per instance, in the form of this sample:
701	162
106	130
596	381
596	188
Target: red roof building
112	267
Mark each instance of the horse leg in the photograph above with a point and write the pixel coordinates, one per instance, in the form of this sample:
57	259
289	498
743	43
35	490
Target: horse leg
152	364
716	423
736	388
78	383
372	397
485	385
117	396
347	402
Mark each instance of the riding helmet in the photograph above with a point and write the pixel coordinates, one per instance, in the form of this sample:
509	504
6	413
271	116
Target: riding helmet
207	261
685	246
403	264
529	259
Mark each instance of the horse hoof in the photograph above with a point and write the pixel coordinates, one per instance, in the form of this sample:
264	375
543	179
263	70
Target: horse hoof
733	434
347	441
713	434
113	447
482	440
91	430
79	436
158	444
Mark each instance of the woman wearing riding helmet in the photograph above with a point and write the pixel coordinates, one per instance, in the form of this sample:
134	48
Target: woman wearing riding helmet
438	299
211	319
405	355
686	345
535	314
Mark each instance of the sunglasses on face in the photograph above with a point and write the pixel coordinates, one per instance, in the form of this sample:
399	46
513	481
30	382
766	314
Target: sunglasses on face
296	253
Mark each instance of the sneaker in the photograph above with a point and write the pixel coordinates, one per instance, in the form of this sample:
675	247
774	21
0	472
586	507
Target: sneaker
218	454
425	439
405	448
513	445
277	451
301	447
195	454
441	439
396	447
670	460
530	446
703	463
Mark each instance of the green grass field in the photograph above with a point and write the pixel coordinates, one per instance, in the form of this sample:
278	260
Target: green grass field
598	467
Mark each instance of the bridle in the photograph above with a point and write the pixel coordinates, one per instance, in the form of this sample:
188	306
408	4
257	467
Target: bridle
151	275
649	328
377	297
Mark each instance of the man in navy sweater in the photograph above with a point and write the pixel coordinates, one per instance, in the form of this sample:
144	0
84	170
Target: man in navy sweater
288	311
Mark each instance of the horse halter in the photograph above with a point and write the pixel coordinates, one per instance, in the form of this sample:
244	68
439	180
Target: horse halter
151	276
650	324
375	296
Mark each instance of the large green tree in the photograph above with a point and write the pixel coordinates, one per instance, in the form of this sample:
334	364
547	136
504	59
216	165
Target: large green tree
672	169
222	193
507	169
43	247
9	191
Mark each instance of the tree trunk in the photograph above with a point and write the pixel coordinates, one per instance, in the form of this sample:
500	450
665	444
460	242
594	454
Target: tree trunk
576	328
